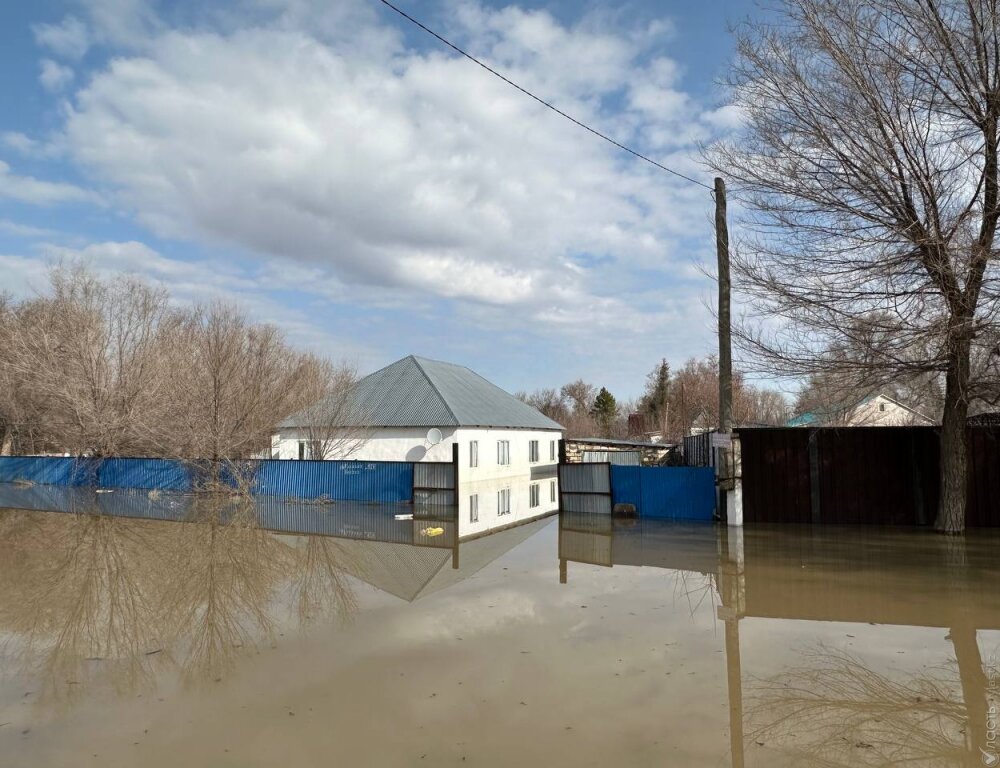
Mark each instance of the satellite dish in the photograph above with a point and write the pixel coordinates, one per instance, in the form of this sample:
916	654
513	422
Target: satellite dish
434	436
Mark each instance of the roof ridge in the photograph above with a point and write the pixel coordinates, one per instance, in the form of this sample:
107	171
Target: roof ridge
447	405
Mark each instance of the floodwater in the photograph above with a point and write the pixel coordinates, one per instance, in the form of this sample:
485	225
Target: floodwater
573	641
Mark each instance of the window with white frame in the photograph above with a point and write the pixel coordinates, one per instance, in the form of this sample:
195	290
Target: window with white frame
532	451
533	495
474	508
552	490
474	453
503	452
552	450
503	501
302	449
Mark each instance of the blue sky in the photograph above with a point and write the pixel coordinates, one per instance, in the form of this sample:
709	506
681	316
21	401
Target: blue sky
339	174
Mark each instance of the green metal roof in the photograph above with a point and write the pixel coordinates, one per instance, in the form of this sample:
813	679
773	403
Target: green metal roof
417	392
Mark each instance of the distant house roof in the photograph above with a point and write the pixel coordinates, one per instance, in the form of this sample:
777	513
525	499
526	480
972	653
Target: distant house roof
417	392
810	418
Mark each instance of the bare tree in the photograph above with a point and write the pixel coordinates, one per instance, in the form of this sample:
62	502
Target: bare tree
335	422
234	382
549	402
82	363
869	172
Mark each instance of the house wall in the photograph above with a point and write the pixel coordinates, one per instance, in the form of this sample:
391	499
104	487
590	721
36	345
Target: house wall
382	444
519	439
410	444
882	412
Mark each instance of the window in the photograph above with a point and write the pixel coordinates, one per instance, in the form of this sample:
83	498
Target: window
474	453
881	406
532	451
302	449
503	501
474	508
533	494
503	452
552	450
552	490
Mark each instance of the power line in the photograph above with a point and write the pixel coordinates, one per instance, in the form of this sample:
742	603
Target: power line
542	101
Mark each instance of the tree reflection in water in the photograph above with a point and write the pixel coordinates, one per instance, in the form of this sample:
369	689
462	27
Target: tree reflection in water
88	600
834	709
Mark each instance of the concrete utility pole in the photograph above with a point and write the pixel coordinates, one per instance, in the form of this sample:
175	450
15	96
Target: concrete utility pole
729	469
725	337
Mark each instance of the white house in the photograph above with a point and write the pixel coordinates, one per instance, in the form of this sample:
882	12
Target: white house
873	411
417	410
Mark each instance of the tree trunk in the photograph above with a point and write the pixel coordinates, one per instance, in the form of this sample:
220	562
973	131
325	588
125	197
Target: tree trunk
954	442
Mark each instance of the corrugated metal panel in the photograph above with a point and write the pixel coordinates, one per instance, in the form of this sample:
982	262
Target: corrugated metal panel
584	478
698	450
433	475
417	392
581	547
620	458
164	474
627	485
678	493
50	470
591	503
338	480
672	493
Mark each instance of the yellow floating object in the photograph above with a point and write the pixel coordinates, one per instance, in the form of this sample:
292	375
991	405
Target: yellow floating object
431	531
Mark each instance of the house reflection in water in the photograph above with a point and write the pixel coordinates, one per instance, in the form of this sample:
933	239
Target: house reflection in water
835	707
119	589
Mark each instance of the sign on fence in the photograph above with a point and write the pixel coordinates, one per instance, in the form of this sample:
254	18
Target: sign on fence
722	440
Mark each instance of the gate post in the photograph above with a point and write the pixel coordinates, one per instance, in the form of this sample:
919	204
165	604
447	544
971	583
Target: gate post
734	496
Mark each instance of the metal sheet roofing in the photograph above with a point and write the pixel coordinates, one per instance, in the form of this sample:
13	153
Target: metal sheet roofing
417	392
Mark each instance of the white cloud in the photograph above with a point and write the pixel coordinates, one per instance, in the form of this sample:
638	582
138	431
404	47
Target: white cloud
28	189
400	170
69	38
53	76
19	142
309	135
25	230
197	281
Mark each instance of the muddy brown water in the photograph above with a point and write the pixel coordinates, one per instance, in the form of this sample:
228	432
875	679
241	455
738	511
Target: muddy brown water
562	642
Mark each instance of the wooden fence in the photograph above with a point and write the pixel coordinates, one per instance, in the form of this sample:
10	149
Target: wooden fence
861	475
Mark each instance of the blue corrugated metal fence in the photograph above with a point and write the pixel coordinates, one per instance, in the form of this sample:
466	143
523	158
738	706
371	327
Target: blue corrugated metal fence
381	481
673	493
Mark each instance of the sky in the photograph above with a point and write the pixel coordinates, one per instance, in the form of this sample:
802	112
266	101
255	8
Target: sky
342	175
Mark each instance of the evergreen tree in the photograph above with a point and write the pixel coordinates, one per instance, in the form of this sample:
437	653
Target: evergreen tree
604	410
655	400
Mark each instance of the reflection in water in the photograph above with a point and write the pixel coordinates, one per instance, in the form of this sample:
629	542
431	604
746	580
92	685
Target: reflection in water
80	597
128	593
117	589
833	707
96	596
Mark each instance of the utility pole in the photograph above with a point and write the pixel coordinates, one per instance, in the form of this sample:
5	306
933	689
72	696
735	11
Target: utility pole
728	465
725	338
